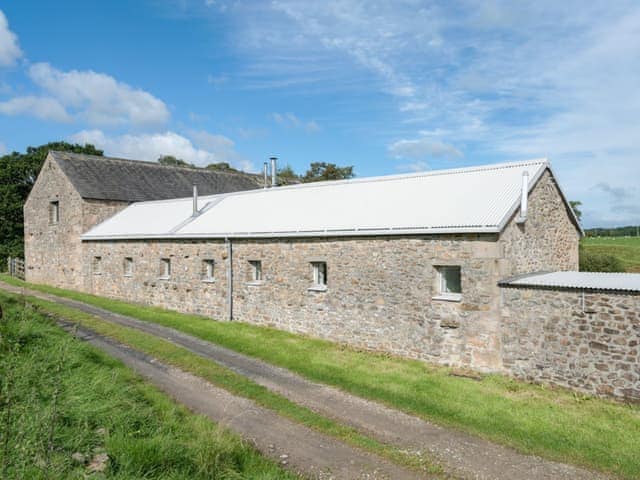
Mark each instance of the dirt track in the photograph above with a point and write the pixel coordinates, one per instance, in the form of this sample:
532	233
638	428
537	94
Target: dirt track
460	454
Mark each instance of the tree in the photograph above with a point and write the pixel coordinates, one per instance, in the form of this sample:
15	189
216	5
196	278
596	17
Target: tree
287	175
18	173
575	206
171	161
220	166
320	171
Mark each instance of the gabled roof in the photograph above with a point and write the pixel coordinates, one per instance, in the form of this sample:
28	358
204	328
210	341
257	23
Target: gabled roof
464	200
628	282
105	178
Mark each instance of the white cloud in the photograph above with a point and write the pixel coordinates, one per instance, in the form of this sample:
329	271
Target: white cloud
3	148
292	121
423	148
40	107
9	49
150	146
98	98
94	98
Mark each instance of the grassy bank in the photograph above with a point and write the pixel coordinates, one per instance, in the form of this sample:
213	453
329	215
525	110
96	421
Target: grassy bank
179	357
61	398
552	423
626	249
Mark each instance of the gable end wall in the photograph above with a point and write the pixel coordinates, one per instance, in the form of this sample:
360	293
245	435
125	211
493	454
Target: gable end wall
548	240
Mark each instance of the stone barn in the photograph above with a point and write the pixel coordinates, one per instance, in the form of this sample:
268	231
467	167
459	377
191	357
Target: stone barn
409	264
473	267
75	192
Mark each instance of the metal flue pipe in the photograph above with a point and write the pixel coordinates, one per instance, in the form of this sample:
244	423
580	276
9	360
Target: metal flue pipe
266	175
274	171
195	199
524	197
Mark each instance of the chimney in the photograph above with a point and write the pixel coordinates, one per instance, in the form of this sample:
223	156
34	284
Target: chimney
524	197
195	199
274	171
266	175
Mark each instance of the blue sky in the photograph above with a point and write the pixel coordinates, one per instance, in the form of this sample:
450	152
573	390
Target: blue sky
385	86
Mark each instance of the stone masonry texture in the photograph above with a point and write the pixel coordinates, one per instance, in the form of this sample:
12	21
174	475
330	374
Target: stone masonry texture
587	341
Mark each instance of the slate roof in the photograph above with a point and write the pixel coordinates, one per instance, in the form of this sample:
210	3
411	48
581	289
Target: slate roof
105	178
463	200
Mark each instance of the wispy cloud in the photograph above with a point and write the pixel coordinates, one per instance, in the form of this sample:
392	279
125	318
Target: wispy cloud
510	79
9	49
290	120
423	148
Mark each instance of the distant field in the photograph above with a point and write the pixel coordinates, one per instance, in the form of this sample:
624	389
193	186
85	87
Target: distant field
627	249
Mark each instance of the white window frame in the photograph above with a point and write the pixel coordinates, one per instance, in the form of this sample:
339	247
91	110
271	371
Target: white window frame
165	268
256	272
96	265
54	212
443	292
208	270
319	276
127	266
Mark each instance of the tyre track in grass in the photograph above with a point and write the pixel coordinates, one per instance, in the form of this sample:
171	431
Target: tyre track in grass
460	454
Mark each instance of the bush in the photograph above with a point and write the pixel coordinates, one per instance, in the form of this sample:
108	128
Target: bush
599	262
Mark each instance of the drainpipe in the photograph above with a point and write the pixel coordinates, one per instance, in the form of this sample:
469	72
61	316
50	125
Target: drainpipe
227	241
524	197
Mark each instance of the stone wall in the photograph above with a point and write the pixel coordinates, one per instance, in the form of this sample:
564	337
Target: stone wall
53	252
379	292
548	240
585	341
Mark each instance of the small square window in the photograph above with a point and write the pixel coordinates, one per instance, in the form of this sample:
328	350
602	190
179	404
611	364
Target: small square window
450	280
128	266
54	212
256	270
207	270
165	268
97	265
319	274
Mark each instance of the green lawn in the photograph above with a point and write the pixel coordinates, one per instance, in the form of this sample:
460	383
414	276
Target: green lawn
60	398
627	249
553	423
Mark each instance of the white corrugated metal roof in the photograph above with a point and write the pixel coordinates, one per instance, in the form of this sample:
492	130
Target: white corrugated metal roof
476	199
580	280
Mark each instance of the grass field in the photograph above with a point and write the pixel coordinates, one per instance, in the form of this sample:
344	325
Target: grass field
553	423
627	249
61	398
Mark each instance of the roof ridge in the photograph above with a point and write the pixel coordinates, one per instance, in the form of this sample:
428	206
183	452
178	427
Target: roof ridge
79	156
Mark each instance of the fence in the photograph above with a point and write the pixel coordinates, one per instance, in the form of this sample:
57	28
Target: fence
16	267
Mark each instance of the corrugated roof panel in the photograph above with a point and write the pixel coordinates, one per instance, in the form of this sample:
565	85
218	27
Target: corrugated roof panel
580	281
461	200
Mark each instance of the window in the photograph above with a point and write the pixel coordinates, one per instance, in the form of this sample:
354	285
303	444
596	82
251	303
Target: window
319	274
449	279
256	270
97	265
165	268
128	266
207	270
54	212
